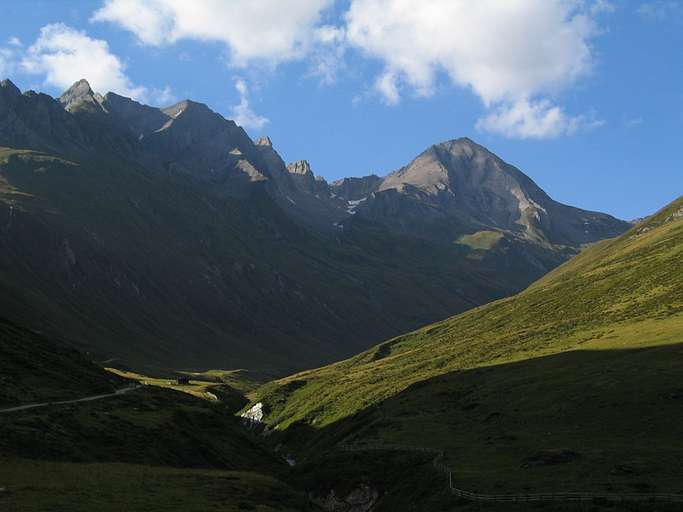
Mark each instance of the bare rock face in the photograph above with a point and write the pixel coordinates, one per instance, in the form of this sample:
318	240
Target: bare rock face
303	176
138	118
361	499
465	188
264	141
354	189
81	96
300	167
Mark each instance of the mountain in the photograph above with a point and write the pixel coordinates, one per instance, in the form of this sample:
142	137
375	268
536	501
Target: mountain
570	386
166	238
458	190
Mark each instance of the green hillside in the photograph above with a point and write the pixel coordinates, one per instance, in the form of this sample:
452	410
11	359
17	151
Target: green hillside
148	449
574	384
116	487
34	368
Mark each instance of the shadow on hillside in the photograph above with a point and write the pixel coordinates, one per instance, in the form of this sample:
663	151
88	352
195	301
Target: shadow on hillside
598	420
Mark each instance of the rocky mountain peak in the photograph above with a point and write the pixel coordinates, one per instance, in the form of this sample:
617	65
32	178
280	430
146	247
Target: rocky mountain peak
8	88
264	141
300	167
187	107
140	119
80	96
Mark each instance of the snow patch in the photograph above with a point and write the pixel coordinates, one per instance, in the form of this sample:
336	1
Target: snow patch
352	205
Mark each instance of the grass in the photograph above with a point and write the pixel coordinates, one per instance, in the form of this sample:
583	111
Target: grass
33	486
148	426
228	387
481	240
242	380
197	388
34	368
155	448
584	361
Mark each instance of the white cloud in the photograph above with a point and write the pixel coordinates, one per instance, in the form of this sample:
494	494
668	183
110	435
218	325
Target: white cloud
265	30
534	120
386	85
517	56
162	97
65	55
7	62
512	54
327	57
501	50
242	113
15	41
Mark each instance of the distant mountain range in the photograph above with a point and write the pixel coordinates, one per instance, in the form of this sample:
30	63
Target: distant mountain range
167	238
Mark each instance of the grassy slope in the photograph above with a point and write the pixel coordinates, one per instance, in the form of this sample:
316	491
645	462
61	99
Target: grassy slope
36	369
587	360
116	487
128	452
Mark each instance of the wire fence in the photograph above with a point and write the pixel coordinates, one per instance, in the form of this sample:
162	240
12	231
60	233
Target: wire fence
475	496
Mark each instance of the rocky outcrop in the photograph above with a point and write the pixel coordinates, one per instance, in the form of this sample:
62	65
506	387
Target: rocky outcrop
306	181
354	189
254	415
360	499
264	141
81	97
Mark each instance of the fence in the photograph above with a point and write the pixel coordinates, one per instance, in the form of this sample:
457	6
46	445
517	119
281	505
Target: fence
474	496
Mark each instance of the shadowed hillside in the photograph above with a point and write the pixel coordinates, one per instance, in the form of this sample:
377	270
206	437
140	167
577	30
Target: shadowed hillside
34	368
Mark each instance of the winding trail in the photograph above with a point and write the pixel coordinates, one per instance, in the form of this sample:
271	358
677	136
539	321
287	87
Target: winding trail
118	392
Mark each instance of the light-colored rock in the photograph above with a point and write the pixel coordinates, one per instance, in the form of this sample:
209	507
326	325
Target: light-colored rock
264	141
254	415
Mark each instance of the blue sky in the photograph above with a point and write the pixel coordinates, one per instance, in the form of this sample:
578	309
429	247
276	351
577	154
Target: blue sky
585	96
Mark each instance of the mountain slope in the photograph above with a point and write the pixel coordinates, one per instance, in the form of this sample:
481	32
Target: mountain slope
457	191
466	181
570	385
159	269
616	288
167	238
35	369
